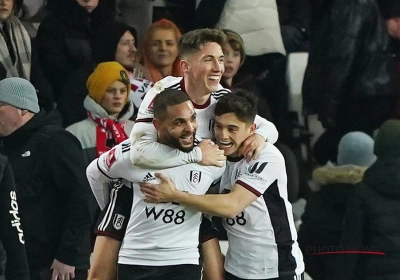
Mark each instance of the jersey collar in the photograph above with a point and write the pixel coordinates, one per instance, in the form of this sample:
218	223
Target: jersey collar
196	106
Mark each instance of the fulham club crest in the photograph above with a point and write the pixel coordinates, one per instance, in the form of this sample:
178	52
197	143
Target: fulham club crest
118	221
195	177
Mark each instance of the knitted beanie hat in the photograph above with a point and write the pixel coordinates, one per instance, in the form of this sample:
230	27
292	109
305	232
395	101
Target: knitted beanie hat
105	39
19	93
387	140
103	76
235	37
356	148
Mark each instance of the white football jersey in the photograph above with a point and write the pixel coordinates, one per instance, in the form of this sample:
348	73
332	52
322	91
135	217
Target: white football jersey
164	233
262	238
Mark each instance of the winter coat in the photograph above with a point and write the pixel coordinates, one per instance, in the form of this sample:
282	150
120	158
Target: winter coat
85	130
63	40
50	175
11	231
372	225
349	76
322	220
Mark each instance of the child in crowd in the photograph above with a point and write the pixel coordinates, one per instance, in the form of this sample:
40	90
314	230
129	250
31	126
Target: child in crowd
108	108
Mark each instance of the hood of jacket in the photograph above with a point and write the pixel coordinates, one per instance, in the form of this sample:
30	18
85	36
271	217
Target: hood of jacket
40	119
384	176
99	112
344	174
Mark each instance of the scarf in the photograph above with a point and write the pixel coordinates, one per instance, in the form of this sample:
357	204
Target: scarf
21	44
106	130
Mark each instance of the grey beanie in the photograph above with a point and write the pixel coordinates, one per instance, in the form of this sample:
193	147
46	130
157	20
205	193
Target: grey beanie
356	148
19	93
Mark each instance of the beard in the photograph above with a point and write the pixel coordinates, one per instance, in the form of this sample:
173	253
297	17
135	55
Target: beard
174	142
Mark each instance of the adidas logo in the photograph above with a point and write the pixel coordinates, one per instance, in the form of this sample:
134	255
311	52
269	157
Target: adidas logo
149	177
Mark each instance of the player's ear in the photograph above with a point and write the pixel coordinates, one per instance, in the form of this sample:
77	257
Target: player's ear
253	127
156	123
184	65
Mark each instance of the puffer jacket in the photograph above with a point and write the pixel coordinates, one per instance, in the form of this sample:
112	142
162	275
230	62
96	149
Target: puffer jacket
322	220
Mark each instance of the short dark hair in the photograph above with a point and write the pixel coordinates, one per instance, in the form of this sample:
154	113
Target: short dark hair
194	40
167	98
240	102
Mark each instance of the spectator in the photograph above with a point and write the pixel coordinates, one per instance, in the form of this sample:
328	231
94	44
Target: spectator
324	213
373	209
111	41
11	234
63	38
18	57
160	51
53	192
349	79
108	108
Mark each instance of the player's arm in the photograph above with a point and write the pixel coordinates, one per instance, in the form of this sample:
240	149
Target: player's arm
223	205
266	129
104	259
265	132
103	170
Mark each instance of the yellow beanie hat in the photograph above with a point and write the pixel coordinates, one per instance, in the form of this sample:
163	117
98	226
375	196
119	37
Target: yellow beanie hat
103	76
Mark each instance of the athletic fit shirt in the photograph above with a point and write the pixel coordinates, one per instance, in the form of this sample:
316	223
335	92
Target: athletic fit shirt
262	238
157	234
147	152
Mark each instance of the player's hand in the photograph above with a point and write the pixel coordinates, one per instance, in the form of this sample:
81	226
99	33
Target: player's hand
211	154
163	192
62	271
252	146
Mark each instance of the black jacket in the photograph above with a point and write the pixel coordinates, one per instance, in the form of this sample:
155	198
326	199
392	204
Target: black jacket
372	224
53	192
350	71
63	40
11	232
